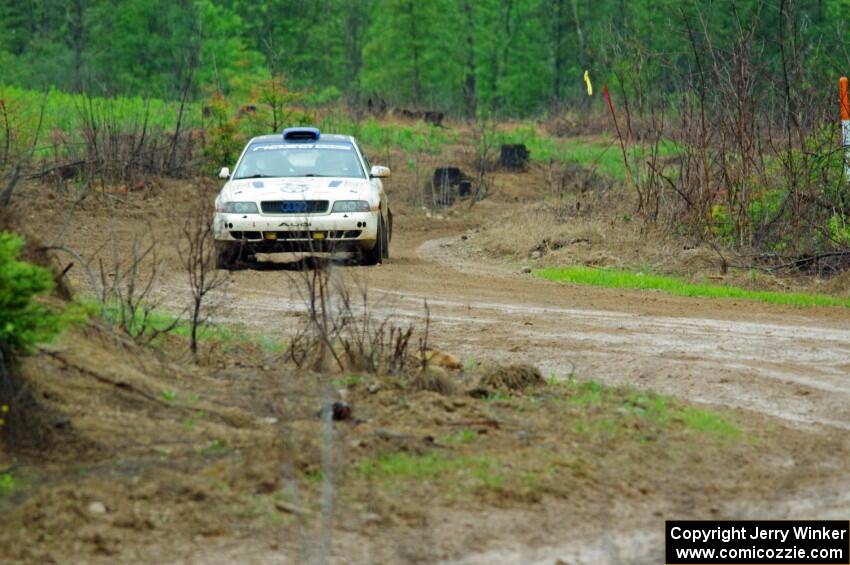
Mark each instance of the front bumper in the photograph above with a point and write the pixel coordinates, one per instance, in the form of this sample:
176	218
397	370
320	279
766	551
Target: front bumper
290	232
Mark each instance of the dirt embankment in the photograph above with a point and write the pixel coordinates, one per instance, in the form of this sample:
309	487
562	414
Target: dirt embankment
158	461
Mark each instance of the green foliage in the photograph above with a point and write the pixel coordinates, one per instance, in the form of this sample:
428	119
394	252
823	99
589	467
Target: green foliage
223	140
469	56
646	281
65	117
839	231
410	52
23	320
8	484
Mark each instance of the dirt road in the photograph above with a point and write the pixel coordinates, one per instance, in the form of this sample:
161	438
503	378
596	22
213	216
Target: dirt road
789	363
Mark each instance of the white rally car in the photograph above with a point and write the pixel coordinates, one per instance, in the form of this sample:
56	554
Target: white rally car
302	191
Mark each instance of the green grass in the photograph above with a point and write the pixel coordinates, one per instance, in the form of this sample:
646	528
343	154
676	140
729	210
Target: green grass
161	319
646	281
608	411
461	437
419	137
65	114
465	471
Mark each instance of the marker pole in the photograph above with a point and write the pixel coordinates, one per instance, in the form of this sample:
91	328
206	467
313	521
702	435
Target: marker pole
845	124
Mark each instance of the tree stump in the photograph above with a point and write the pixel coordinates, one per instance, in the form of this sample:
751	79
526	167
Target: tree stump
514	157
447	184
433	118
450	176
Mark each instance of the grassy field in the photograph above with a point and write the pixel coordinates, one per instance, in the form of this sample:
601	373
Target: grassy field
66	115
418	137
647	281
602	154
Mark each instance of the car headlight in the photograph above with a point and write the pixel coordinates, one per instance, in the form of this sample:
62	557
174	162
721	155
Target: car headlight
351	206
239	208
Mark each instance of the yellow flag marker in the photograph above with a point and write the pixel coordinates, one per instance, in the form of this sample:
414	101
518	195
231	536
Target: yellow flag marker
587	82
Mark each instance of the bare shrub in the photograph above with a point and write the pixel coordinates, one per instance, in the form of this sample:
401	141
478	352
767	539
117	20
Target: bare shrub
483	158
126	284
122	147
343	331
197	252
17	149
748	154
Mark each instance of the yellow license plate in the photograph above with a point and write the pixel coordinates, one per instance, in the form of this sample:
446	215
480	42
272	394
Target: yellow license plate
270	235
319	235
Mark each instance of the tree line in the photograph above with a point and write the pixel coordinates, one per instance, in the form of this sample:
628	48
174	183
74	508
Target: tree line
466	57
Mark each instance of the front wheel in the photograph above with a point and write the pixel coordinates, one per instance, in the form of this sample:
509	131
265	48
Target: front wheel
226	255
377	253
388	235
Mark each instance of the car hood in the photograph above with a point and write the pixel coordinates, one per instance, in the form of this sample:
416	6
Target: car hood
299	188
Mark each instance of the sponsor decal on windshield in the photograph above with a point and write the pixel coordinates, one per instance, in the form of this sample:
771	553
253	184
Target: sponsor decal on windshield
268	147
329	146
279	146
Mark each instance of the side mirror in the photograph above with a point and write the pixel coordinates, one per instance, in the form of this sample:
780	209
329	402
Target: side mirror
224	173
379	172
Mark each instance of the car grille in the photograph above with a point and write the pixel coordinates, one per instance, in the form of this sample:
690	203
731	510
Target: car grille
294	206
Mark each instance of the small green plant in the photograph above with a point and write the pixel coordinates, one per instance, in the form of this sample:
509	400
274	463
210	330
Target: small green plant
462	436
24	321
348	381
498	396
169	395
8	484
189	423
213	447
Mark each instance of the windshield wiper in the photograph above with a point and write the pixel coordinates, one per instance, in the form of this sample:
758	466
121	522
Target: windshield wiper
257	176
315	175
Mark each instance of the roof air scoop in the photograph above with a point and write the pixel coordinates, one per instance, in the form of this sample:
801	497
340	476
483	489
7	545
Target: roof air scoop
301	134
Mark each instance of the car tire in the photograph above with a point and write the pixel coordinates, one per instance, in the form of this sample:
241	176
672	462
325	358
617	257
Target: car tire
388	234
226	255
376	254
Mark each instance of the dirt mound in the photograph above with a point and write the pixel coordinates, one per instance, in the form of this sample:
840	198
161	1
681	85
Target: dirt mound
511	377
433	379
436	358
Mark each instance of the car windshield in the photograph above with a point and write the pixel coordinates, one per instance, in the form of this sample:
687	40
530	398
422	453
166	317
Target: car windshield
302	160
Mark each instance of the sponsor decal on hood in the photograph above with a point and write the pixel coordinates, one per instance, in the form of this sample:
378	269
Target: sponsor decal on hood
299	187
